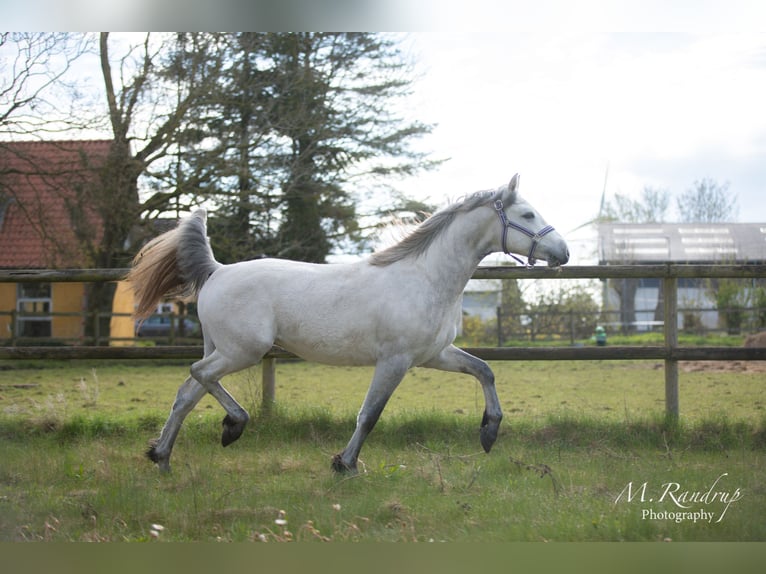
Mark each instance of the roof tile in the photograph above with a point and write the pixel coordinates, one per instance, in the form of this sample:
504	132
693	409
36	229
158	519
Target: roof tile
38	181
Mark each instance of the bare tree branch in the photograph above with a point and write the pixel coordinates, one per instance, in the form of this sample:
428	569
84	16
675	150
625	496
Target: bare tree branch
32	74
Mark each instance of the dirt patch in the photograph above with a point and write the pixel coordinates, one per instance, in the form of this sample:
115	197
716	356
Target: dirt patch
723	366
757	340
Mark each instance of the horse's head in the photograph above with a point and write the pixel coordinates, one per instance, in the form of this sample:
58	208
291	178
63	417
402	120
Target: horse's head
524	231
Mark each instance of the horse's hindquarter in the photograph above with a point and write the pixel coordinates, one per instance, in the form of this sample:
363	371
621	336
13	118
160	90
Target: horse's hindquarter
344	314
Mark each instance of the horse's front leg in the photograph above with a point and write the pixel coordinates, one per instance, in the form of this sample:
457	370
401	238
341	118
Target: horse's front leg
456	360
388	374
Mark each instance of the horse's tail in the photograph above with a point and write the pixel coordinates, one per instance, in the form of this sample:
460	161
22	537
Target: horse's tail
177	263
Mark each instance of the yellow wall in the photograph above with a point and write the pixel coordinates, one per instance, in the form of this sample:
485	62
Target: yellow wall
68	298
7	304
65	298
122	326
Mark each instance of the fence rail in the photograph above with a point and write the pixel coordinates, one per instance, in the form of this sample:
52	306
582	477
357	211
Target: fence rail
670	352
669	270
612	353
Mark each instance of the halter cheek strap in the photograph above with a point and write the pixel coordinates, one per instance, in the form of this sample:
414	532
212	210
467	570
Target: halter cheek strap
536	237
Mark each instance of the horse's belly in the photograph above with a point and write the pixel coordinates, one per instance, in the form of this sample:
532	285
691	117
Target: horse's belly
366	344
329	352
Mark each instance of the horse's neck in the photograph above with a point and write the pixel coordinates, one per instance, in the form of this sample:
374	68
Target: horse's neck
454	256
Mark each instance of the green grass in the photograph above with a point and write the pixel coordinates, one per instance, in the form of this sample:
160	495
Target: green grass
684	339
652	338
72	437
610	390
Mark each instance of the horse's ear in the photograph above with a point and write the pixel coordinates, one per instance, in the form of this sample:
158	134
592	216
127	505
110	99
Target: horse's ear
509	197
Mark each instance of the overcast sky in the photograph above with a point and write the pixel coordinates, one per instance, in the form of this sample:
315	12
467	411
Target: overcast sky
659	92
657	109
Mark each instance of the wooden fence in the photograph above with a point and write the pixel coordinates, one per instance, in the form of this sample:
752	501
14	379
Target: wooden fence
669	352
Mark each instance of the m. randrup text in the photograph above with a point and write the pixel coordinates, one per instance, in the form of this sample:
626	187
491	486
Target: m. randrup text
717	495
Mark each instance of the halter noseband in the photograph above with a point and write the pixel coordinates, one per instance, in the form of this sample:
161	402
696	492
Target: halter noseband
536	237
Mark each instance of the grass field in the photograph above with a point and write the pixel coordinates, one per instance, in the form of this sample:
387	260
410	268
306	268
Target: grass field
584	454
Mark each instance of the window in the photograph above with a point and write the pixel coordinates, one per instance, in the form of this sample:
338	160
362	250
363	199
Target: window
33	306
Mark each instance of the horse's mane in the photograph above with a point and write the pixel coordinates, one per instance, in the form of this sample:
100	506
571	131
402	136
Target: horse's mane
421	238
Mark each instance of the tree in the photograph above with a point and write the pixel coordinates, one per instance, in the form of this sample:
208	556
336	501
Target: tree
269	128
731	299
568	310
142	121
707	201
32	80
512	309
31	77
145	115
651	207
225	150
143	126
319	113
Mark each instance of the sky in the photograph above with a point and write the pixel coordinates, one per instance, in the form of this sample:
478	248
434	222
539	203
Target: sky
577	97
572	112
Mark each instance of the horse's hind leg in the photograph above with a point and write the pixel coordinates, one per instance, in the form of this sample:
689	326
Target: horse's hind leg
208	371
456	360
189	394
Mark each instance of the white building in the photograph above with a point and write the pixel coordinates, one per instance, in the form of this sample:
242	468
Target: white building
639	300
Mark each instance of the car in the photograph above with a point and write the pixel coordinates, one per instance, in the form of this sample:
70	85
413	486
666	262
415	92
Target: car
159	326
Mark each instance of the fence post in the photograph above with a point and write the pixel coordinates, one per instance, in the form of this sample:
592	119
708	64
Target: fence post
499	315
571	327
670	285
96	329
14	329
269	369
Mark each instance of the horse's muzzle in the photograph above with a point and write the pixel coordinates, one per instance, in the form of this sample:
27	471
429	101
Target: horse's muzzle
558	261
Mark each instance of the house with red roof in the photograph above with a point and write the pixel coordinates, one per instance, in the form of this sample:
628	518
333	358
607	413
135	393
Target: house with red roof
42	188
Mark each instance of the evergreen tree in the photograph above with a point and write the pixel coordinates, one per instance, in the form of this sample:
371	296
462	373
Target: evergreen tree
297	117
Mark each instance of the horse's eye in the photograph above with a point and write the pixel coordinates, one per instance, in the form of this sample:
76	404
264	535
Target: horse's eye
528	215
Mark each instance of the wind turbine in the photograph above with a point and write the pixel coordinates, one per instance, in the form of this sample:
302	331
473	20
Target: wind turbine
601	208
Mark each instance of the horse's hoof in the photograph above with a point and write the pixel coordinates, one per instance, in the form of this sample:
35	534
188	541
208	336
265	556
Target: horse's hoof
151	454
232	430
162	463
488	432
341	467
488	438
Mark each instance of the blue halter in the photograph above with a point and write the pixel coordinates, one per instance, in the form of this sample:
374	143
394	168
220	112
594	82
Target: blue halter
536	237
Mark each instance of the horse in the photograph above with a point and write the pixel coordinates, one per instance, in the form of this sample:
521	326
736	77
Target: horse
397	309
